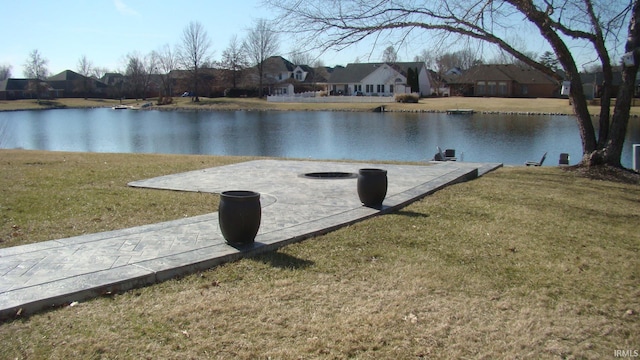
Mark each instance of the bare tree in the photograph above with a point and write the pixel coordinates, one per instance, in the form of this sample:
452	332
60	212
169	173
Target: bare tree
139	71
194	53
234	60
426	57
463	60
135	73
301	57
85	68
99	72
389	55
597	24
150	64
5	72
260	44
505	58
35	68
167	59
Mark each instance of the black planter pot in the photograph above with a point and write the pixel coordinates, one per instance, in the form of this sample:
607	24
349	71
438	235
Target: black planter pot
239	216
372	186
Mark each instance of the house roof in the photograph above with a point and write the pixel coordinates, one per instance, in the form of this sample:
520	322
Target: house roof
355	72
503	72
15	84
59	80
278	64
305	68
445	78
66	75
111	78
314	75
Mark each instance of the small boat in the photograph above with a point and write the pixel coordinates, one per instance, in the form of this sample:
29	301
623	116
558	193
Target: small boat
120	107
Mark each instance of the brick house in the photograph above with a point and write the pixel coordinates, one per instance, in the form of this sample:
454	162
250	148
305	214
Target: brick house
507	80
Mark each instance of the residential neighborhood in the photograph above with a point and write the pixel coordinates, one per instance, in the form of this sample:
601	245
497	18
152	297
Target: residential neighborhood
283	78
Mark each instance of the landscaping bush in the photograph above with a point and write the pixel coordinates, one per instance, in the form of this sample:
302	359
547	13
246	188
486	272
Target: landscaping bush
165	100
239	92
407	98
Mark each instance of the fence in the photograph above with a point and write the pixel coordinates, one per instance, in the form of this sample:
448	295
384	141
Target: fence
313	97
597	102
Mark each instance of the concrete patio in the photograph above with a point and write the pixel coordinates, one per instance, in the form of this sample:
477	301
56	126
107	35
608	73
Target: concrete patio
57	272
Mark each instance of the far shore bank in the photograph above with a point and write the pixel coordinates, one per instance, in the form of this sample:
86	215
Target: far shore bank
536	106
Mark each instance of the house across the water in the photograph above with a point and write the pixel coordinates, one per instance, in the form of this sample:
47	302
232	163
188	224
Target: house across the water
506	80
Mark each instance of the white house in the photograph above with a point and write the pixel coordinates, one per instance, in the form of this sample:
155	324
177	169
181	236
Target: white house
381	79
283	77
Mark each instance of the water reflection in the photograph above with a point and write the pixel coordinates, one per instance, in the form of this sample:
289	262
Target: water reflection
319	135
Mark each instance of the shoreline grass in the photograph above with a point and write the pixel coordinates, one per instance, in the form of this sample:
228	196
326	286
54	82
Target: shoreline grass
501	105
520	263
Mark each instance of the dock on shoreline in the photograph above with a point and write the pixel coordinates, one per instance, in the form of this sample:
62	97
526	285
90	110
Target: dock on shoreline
460	111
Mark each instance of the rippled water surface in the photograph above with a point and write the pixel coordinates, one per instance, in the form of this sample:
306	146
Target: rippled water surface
509	139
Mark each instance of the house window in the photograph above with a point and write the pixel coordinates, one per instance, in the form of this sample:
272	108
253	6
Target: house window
491	88
480	88
502	88
280	76
369	88
299	75
380	88
525	90
357	88
391	89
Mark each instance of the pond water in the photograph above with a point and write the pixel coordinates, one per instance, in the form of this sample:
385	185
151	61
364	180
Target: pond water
509	139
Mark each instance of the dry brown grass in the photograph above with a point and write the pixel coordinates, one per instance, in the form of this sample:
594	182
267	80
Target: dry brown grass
49	195
556	106
60	103
521	263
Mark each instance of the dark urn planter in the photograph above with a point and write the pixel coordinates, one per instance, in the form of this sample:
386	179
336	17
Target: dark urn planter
239	216
372	186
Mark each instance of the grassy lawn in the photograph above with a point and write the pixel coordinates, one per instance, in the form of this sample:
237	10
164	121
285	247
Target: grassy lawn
521	263
49	195
557	106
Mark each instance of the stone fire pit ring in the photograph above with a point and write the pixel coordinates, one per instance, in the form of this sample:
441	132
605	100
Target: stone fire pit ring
330	175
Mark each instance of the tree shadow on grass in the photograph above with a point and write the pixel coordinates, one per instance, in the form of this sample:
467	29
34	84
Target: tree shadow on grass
52	104
283	261
412	214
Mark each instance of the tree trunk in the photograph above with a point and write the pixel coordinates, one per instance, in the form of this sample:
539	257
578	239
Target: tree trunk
194	97
612	151
576	94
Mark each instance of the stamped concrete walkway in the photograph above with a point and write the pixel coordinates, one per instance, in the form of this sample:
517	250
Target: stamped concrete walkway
57	272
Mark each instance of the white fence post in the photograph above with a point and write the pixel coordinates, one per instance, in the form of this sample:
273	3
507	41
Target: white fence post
636	157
